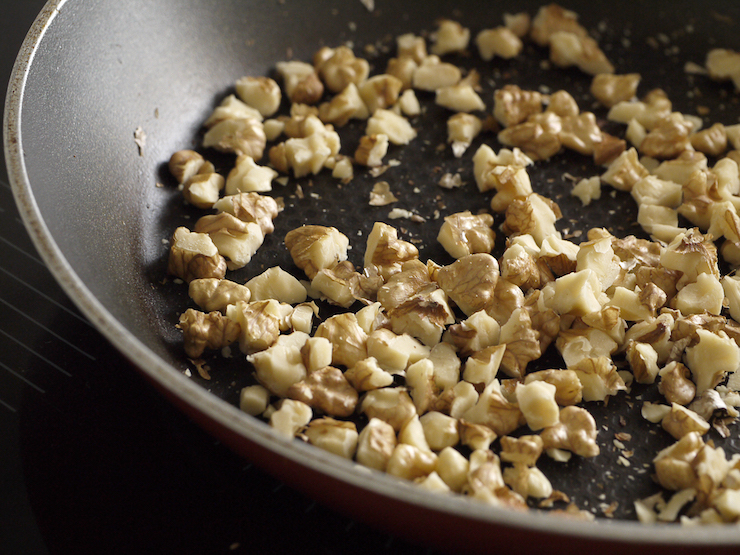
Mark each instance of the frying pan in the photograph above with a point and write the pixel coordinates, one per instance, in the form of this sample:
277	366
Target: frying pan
99	206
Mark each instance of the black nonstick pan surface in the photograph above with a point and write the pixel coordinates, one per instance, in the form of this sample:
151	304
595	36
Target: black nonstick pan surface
99	208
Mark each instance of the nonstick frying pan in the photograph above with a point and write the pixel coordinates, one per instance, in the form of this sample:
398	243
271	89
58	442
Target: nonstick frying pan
99	206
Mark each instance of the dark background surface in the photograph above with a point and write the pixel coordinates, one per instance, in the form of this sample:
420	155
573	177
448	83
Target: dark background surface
93	460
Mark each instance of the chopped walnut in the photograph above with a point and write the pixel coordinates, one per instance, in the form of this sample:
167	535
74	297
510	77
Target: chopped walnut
568	388
534	215
259	322
242	136
449	37
375	444
470	281
193	255
347	337
612	89
576	432
338	67
314	247
301	83
216	294
493	410
500	41
386	252
336	436
371	150
326	390
571	49
251	207
463	234
203	331
512	105
681	421
668	139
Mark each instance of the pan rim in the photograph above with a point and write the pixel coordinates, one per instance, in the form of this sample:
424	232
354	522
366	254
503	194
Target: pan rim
241	424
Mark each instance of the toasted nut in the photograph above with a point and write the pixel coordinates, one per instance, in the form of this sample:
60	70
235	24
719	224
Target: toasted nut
643	360
587	190
347	337
240	136
460	97
599	378
705	294
501	42
237	241
477	332
325	390
185	164
714	355
386	252
712	141
513	105
216	294
314	248
576	432
367	375
259	322
625	171
202	190
536	142
675	384
551	19
570	49
452	467
470	281
568	388
247	177
440	430
332	435
534	215
673	468
449	37
232	108
723	64
388	123
254	399
537	403
280	365
301	82
346	105
261	93
392	405
410	462
681	421
376	444
580	133
493	410
380	91
464	234
612	89
432	74
290	418
372	149
339	67
403	69
276	283
462	128
668	139
203	331
193	255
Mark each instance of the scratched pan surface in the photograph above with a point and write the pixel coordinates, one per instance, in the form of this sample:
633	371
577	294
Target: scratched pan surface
91	73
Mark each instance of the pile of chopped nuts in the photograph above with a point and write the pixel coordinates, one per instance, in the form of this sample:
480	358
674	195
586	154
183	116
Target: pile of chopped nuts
423	370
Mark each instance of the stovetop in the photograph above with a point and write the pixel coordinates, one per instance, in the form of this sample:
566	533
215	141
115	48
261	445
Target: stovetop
93	460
